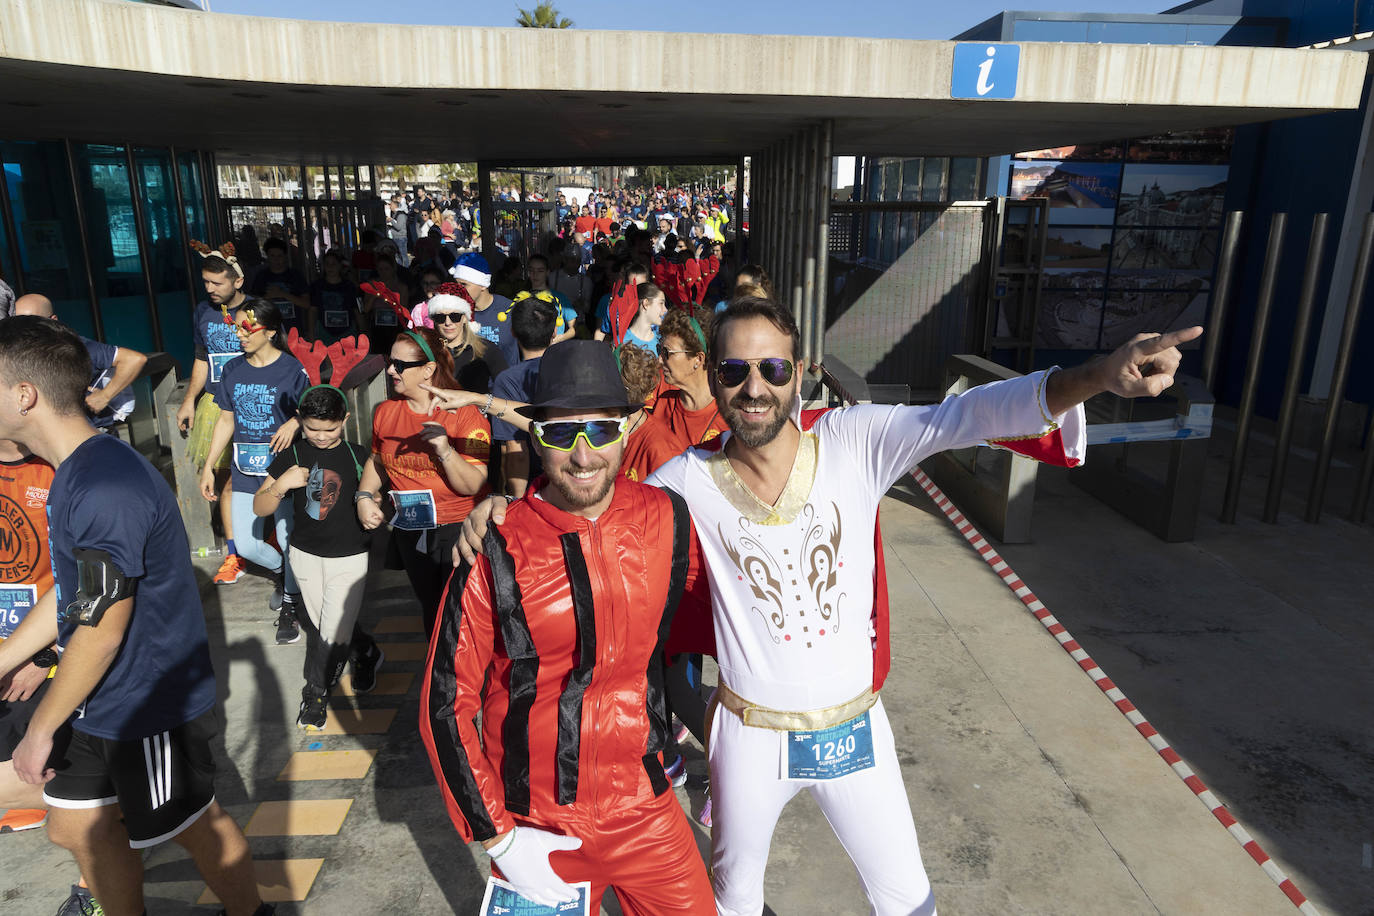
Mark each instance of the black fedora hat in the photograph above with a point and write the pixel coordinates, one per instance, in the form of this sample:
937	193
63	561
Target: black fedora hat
580	375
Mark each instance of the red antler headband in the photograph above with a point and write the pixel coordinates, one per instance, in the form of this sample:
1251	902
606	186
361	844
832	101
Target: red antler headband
390	297
343	356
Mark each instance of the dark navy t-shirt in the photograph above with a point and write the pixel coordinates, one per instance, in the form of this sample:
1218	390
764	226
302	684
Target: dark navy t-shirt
517	384
268	285
106	496
262	399
215	342
102	364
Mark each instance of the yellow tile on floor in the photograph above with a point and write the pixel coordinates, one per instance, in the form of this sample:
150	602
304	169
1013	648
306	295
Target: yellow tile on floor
388	684
352	764
405	651
349	721
399	625
279	880
299	818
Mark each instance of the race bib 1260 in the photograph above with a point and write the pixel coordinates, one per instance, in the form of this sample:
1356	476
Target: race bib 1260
253	458
15	603
502	900
415	509
830	753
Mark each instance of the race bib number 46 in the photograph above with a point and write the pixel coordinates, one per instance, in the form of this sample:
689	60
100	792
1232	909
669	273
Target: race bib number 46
830	753
415	509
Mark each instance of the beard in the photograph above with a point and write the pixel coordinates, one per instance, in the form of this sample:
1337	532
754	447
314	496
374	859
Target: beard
750	435
580	497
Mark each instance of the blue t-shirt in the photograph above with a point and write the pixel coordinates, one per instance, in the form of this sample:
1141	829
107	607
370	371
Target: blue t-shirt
496	329
517	384
215	342
632	338
102	365
569	313
106	496
262	399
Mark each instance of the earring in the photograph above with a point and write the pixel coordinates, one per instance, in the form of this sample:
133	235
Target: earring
23	411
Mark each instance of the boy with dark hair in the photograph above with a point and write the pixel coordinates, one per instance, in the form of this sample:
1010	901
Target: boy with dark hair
533	319
122	737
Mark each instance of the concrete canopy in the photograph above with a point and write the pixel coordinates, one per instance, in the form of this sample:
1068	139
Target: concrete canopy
284	90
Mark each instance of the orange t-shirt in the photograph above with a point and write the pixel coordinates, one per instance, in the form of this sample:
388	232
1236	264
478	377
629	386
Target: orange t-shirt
410	462
24	533
688	427
585	225
649	447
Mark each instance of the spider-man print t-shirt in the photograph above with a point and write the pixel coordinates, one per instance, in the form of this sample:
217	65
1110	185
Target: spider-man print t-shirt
326	524
262	399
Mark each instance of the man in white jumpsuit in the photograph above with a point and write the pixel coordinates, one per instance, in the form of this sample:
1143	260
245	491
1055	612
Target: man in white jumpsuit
786	522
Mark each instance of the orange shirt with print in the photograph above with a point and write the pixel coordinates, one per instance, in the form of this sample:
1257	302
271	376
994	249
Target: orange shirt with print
647	449
410	463
687	428
24	557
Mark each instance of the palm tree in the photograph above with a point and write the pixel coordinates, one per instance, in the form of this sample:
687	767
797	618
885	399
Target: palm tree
543	16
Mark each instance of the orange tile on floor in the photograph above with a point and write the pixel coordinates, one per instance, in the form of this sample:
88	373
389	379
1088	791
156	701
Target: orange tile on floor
405	651
345	720
352	764
388	684
279	880
399	625
299	817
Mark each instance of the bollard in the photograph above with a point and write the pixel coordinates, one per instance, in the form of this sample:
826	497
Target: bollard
1317	495
1221	295
1277	225
1296	357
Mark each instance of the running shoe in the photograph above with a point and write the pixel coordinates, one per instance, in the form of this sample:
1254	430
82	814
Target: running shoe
704	816
231	570
288	631
17	819
80	903
362	668
314	709
680	731
676	772
274	603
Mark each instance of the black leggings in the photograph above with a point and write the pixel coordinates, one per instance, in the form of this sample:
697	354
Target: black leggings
428	570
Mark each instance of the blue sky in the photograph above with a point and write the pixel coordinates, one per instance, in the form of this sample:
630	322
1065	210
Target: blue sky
868	18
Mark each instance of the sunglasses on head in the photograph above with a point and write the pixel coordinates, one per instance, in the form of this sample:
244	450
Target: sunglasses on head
774	370
401	365
561	435
446	317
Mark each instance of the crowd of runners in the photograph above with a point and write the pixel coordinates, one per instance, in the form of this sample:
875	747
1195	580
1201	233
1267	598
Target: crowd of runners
593	467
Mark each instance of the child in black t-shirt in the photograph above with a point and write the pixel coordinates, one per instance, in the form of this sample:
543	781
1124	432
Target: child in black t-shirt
328	548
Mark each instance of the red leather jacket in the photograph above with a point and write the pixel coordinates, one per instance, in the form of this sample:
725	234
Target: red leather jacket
556	637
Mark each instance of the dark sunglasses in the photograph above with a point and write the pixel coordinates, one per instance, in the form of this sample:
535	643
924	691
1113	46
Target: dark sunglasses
561	435
664	352
774	370
401	365
446	317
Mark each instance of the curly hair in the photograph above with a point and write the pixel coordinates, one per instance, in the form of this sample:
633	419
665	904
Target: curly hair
639	371
679	323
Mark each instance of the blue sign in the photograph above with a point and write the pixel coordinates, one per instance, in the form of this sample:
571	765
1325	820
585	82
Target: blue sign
831	753
984	71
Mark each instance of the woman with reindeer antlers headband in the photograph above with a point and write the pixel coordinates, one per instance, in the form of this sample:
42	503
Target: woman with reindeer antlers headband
258	393
318	478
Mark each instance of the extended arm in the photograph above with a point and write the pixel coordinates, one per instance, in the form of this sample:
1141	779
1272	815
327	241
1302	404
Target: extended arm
127	365
1144	367
200	371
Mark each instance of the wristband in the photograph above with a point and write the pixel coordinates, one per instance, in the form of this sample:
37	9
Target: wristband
487	406
503	847
44	658
362	495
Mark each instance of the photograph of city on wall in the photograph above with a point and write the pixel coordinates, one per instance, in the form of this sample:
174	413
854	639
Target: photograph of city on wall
1132	238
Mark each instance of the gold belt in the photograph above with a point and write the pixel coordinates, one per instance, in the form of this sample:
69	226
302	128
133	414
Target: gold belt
778	720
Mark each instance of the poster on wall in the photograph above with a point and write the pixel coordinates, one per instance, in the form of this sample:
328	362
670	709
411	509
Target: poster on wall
1082	185
1173	195
44	247
1078	246
1210	145
1132	312
1163	249
1069	319
1106	151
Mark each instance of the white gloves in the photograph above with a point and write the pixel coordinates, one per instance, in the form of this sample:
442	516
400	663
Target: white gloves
524	860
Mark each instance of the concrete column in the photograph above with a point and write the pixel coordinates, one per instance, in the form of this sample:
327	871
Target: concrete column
488	214
1358	203
796	219
807	261
827	143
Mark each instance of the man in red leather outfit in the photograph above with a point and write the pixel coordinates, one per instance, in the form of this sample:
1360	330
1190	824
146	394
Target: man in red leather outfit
555	636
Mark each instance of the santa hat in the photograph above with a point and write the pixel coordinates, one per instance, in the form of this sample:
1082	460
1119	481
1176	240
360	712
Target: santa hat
450	298
472	268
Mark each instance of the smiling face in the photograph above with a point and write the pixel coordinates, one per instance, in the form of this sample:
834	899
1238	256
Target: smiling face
755	410
581	480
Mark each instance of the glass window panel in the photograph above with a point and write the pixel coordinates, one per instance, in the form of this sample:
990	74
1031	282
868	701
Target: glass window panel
113	241
892	180
7	267
963	178
1206	34
1255	36
166	236
875	179
40	190
1048	30
1138	33
933	178
911	179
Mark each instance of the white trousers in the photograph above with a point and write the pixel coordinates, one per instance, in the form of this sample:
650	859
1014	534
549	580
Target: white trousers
868	811
332	589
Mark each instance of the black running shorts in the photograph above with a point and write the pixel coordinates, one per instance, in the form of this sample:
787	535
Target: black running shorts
161	783
14	720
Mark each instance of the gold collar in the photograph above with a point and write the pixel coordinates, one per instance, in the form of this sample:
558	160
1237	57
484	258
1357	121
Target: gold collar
794	494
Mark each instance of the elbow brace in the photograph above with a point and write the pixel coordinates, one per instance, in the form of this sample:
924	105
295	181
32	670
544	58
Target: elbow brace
100	585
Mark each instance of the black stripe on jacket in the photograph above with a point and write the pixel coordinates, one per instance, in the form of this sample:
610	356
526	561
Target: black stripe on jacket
570	701
656	706
524	670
